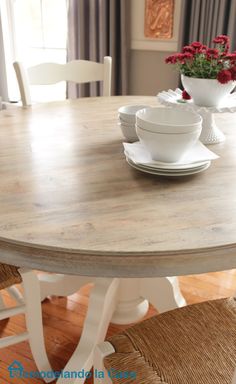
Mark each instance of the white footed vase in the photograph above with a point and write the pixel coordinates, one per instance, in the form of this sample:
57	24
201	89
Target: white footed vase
207	92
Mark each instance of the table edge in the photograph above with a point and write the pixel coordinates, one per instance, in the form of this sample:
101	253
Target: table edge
118	264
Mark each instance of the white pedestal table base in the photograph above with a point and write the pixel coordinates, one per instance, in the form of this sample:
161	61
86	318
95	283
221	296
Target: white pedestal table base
121	301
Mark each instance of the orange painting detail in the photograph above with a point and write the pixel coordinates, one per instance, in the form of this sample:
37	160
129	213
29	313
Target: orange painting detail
159	19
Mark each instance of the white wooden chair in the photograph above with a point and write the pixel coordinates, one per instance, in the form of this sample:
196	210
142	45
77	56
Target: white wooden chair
30	305
78	71
195	344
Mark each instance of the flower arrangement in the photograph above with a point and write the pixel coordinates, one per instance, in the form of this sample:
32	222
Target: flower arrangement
199	61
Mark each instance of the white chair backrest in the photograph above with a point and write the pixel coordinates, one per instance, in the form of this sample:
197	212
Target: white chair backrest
78	71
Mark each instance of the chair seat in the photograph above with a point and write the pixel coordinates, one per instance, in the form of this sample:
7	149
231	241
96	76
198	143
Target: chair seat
9	275
192	345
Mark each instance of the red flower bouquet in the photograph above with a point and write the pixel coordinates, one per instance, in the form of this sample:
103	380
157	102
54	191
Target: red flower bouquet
198	61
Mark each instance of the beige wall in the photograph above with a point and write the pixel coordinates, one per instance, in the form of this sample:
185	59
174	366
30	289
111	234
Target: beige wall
149	74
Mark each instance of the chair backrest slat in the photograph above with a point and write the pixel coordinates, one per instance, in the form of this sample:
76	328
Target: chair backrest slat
78	71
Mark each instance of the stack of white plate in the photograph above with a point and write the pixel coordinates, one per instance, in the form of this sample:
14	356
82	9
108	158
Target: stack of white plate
127	120
165	169
197	161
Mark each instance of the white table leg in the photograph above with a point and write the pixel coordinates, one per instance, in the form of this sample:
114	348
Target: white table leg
135	294
61	285
162	292
124	301
33	317
180	300
101	351
131	306
102	303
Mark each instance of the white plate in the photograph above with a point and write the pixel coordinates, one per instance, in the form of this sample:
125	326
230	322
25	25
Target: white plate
168	166
176	171
162	172
167	170
174	98
198	155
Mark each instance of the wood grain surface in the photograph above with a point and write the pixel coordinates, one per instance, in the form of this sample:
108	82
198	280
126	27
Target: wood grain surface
70	203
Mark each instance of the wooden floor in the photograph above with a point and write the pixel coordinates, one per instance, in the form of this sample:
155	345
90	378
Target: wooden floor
63	321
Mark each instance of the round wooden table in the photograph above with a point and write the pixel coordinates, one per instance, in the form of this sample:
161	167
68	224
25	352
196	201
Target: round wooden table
70	203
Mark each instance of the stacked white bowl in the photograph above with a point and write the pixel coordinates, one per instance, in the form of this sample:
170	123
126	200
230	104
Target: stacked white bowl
127	120
168	133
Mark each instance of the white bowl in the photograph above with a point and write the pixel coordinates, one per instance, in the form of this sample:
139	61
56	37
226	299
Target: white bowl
168	120
197	128
129	132
127	112
165	147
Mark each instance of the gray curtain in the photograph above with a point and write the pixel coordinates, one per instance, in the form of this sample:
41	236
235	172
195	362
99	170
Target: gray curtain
98	28
205	19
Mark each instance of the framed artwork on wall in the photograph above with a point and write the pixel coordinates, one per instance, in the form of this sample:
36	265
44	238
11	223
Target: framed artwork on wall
155	24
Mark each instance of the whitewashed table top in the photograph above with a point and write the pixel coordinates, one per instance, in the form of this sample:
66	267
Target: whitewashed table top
70	203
